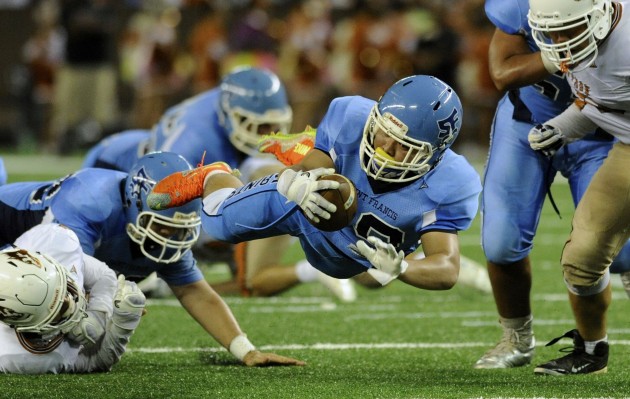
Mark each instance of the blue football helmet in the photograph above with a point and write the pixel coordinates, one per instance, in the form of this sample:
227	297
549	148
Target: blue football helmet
253	101
163	236
420	112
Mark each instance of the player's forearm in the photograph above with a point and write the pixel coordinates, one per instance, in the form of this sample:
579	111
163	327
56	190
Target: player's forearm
572	123
109	352
519	71
436	272
209	310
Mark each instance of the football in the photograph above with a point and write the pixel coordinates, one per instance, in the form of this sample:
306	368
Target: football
344	198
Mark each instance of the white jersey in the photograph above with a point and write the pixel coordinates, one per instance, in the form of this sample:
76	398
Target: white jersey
604	87
63	245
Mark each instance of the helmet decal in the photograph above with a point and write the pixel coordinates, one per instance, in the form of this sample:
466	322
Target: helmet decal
449	129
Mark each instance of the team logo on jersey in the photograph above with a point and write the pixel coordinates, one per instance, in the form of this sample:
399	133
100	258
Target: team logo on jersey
449	128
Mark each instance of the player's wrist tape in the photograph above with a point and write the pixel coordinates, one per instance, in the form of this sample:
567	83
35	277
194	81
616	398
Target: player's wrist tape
240	346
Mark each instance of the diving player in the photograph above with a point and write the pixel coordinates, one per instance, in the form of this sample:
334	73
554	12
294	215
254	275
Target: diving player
410	187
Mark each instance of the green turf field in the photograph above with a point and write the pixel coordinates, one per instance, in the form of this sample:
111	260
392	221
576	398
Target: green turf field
397	342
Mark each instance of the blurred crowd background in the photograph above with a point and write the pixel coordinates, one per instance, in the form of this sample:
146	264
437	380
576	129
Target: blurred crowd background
74	71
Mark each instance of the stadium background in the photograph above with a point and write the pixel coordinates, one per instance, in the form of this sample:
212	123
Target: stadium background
398	342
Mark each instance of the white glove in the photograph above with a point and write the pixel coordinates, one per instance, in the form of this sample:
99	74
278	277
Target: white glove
388	263
302	188
90	329
129	304
546	139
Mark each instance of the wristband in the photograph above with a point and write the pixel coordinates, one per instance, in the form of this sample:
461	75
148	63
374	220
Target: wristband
240	346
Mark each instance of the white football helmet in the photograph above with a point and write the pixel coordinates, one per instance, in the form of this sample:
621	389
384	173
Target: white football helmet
38	298
554	16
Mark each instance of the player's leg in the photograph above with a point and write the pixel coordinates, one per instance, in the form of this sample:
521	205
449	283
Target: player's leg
514	191
599	230
589	155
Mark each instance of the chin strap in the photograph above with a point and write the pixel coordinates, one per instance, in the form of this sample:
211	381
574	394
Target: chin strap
37	344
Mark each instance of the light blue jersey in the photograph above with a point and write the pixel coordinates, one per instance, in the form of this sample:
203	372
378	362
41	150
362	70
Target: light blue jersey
90	202
547	98
119	151
517	178
192	127
445	199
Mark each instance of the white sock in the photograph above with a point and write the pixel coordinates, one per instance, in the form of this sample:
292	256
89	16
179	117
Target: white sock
305	272
589	346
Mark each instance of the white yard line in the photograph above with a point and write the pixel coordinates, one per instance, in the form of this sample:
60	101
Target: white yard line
348	346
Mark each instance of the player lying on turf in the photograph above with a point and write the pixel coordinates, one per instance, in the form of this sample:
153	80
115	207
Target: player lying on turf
47	324
410	186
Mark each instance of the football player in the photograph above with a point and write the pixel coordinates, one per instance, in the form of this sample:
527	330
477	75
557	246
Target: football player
47	325
108	212
410	186
517	179
225	124
119	151
586	41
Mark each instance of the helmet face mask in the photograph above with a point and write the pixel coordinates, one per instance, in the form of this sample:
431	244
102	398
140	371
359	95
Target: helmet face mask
580	24
253	102
421	115
162	236
40	299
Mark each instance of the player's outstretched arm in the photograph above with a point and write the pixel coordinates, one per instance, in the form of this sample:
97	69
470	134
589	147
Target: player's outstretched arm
214	315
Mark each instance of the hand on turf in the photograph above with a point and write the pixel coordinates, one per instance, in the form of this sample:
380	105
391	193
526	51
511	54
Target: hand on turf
546	139
262	359
302	188
387	263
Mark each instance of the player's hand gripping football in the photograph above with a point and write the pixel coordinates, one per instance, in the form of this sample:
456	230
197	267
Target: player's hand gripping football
302	188
546	139
257	358
388	263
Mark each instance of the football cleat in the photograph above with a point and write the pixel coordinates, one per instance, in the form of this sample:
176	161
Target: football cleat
578	361
288	148
180	188
515	349
341	288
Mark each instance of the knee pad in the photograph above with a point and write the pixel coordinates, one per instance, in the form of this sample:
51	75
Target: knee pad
585	290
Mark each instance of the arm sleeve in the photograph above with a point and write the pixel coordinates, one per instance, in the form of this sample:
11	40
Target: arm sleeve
572	123
109	351
100	281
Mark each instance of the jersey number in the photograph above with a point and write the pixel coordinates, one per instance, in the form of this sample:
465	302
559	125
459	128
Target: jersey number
369	224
